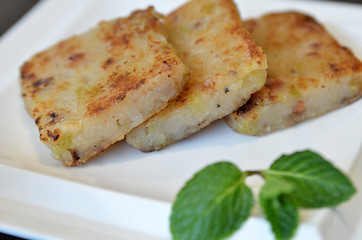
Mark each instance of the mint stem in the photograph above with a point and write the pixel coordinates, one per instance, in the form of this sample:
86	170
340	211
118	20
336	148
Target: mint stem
254	172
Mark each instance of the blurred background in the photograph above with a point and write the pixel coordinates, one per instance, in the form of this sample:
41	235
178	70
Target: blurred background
12	10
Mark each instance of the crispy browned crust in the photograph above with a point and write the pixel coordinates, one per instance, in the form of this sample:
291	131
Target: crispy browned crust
111	54
302	58
74	56
226	67
235	28
339	60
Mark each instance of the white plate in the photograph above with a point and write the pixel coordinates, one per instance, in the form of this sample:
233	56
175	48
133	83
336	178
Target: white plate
128	194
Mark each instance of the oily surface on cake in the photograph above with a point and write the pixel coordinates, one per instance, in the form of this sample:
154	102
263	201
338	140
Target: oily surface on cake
226	66
309	74
88	91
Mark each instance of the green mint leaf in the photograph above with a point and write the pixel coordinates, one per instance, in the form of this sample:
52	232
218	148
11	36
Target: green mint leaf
275	186
212	205
282	213
317	182
278	207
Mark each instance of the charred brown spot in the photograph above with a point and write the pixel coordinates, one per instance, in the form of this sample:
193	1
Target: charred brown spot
183	96
76	57
314	49
116	80
308	19
239	48
227	51
233	73
98	109
25	72
273	98
41	83
274	84
37	120
54	117
108	62
202	122
124	82
168	63
140	83
42	137
61	44
74	154
334	67
198	41
125	38
235	29
53	135
247	107
253	50
307	22
120	97
35	111
116	35
356	66
27	76
315	45
197	25
118	87
43	58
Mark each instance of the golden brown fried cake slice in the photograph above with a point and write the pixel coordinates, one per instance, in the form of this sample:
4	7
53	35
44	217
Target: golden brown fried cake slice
309	74
225	65
88	91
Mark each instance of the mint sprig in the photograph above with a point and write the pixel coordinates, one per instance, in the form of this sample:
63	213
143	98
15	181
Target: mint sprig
216	201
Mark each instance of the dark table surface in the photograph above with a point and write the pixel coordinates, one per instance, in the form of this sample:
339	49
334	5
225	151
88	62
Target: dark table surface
10	12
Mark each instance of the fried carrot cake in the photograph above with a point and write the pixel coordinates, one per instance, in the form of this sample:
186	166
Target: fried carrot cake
86	92
226	67
309	74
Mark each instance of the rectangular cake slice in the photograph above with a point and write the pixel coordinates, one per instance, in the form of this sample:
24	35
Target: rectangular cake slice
88	91
226	67
309	74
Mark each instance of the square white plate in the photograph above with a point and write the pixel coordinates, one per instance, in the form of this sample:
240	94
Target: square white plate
127	194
